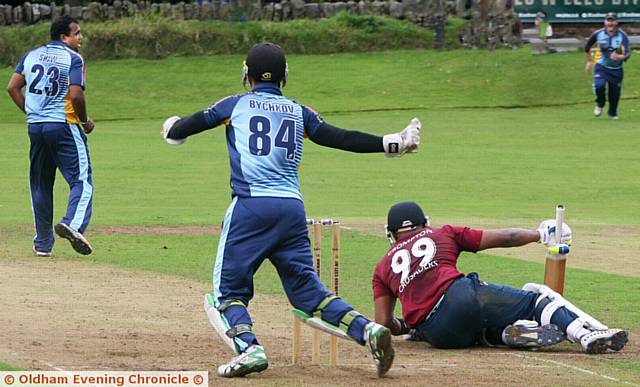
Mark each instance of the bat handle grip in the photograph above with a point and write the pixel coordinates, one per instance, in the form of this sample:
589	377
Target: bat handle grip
559	223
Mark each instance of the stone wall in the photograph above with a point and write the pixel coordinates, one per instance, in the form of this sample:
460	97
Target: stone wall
490	23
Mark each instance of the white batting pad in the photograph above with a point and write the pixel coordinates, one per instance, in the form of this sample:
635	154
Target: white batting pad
217	321
559	301
318	323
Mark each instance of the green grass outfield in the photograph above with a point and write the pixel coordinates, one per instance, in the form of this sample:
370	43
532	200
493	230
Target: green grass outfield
506	136
6	367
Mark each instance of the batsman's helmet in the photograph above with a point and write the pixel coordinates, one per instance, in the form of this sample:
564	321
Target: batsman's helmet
404	215
266	63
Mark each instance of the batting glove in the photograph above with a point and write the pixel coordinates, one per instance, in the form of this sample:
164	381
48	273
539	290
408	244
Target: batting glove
407	141
166	127
399	327
548	228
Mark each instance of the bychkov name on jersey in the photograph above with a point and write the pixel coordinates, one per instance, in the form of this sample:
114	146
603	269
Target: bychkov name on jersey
270	107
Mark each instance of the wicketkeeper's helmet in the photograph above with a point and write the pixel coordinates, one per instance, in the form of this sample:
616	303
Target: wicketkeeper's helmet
404	215
266	63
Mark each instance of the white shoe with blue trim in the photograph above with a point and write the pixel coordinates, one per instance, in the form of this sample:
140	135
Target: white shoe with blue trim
252	360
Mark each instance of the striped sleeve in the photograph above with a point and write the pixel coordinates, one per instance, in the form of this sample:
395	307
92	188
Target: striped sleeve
20	66
77	71
312	120
590	42
625	46
220	111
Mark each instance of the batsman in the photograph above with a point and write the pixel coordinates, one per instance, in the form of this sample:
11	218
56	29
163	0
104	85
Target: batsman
266	218
442	306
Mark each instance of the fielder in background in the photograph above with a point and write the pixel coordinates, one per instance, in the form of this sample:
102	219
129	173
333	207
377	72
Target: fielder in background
451	310
545	31
54	81
266	218
611	50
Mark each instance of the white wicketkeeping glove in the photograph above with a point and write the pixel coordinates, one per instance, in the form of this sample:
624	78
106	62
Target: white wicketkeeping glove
547	231
166	126
407	141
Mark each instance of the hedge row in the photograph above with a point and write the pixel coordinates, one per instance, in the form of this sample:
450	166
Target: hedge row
15	3
153	38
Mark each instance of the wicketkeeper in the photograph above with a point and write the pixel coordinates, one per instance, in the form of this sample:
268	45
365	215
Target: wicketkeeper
266	218
450	310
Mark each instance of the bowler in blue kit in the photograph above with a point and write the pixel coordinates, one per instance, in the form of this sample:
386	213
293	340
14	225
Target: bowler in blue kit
53	77
266	219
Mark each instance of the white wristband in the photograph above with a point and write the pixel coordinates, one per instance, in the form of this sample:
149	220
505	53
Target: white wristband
393	145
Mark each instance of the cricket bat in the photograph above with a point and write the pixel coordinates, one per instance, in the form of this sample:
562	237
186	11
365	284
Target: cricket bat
554	266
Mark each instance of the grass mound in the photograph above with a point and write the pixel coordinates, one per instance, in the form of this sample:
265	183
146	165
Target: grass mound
155	37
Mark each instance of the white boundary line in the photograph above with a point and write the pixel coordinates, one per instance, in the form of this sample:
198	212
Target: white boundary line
593	373
519	355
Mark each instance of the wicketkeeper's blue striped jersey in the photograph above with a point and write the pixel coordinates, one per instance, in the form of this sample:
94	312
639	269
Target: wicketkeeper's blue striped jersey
265	133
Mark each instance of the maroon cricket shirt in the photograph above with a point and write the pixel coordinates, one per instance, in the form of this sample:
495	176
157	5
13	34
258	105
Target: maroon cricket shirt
420	267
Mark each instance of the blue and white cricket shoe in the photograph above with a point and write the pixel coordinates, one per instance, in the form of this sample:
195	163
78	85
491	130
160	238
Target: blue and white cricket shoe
378	339
252	360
